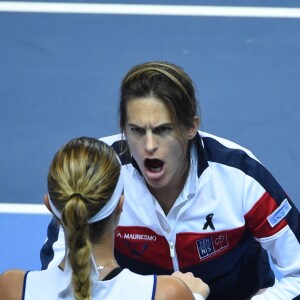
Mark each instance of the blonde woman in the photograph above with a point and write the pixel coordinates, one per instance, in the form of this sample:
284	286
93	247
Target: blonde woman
85	195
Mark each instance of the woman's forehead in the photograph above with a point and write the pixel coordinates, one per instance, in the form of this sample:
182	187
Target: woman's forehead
148	108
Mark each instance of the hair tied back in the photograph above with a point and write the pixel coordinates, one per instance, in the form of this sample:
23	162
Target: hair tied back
78	195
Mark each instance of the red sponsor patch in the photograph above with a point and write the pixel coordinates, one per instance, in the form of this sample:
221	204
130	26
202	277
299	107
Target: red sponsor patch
141	243
193	248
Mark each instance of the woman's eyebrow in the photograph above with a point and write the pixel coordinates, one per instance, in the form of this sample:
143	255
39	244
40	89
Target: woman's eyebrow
157	126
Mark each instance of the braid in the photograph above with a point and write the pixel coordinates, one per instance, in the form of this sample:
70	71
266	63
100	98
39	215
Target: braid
81	179
74	218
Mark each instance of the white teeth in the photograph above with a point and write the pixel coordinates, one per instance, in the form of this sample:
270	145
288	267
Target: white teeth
155	169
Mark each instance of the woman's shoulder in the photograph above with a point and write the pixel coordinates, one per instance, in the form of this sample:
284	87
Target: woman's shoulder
11	284
171	287
112	139
215	141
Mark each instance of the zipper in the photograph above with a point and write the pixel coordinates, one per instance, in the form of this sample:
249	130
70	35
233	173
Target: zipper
172	249
173	256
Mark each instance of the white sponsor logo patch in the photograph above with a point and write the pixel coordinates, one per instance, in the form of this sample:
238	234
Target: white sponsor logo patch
279	213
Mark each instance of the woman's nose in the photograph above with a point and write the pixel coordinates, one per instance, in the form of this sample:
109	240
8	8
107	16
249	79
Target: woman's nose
151	142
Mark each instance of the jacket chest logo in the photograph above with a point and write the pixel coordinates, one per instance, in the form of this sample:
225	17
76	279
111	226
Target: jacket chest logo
211	245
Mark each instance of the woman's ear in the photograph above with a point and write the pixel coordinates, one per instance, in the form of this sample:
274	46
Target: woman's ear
118	211
194	129
120	205
46	202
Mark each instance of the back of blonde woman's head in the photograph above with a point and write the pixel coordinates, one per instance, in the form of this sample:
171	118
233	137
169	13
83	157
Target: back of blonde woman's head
81	179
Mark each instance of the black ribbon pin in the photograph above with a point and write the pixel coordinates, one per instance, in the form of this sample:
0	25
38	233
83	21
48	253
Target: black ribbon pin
209	222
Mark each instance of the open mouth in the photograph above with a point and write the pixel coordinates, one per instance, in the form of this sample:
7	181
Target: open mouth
154	165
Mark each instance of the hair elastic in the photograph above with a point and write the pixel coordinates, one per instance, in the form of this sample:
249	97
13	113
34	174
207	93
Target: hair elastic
78	195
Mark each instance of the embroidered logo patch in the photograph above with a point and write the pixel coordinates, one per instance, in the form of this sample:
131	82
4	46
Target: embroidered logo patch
211	245
136	243
279	213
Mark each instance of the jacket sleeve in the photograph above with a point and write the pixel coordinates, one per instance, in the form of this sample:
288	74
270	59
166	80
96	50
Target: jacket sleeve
275	222
285	254
53	251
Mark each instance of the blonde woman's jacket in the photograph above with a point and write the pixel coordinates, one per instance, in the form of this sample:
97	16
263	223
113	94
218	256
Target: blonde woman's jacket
230	214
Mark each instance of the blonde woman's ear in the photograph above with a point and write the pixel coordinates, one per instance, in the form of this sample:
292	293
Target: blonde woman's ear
120	205
46	202
118	211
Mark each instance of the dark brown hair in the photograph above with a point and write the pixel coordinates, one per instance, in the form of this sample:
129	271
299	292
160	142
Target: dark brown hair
166	82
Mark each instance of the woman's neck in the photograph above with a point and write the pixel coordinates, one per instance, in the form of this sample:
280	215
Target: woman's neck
103	253
167	195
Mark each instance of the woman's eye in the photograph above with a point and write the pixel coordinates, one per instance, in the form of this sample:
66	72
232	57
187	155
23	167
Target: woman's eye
163	130
137	130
